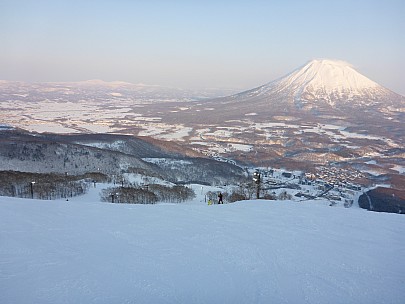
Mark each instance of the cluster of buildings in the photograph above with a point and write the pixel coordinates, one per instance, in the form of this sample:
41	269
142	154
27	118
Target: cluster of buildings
337	177
332	183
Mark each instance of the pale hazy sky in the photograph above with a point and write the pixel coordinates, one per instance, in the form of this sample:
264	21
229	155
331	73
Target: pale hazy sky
237	44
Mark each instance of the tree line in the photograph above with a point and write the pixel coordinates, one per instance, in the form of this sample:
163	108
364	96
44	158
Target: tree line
48	186
147	194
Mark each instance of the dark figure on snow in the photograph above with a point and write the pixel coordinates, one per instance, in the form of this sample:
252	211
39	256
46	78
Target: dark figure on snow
220	201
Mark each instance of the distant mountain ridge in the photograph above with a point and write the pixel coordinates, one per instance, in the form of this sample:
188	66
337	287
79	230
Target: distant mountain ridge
323	112
118	89
111	154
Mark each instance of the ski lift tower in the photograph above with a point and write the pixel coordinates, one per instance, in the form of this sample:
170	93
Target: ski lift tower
257	180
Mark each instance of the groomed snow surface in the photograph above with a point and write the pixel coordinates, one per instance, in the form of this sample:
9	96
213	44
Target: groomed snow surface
85	251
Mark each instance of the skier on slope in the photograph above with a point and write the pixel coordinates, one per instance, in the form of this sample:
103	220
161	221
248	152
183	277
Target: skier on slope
220	201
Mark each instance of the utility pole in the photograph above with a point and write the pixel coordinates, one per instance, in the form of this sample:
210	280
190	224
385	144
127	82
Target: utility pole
256	179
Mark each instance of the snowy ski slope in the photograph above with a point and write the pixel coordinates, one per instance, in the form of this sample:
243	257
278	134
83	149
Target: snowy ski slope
85	251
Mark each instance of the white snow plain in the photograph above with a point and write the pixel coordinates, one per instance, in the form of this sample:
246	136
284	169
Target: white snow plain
85	251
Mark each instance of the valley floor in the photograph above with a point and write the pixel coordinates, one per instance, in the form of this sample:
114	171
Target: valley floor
85	251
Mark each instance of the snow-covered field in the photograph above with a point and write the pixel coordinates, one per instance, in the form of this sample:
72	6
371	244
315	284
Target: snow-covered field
85	251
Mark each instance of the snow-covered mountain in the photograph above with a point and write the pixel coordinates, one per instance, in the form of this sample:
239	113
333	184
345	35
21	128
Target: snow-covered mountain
329	80
322	112
321	91
109	154
330	83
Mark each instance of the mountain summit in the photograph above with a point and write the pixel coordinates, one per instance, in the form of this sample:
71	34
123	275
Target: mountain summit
327	77
332	81
321	88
